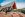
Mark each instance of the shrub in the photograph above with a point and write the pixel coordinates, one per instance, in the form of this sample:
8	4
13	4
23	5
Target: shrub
0	10
23	11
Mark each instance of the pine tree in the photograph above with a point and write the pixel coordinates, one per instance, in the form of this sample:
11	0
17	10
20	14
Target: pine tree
0	5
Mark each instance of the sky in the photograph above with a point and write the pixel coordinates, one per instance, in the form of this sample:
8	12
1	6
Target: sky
1	1
20	0
19	3
6	2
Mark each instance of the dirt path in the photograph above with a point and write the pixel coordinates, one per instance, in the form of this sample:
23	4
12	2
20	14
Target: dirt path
2	14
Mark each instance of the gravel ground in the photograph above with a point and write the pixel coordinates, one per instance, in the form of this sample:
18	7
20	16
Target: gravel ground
2	14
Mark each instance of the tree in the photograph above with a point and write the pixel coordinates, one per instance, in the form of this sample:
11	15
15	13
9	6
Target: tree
0	5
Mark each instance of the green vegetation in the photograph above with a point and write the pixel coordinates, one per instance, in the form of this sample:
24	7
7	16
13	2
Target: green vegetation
0	10
23	11
15	10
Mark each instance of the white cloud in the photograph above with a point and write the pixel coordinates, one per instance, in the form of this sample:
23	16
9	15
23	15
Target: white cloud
20	5
6	2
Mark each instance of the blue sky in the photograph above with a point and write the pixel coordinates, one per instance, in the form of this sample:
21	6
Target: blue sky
1	1
19	3
20	0
12	0
6	2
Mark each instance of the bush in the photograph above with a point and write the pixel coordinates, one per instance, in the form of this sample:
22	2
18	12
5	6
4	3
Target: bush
15	10
0	10
23	11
